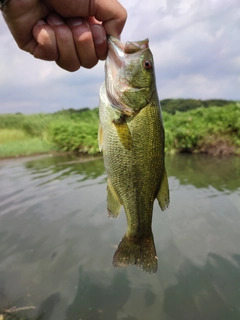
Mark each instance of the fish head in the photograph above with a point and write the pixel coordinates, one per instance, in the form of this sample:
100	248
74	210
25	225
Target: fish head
130	78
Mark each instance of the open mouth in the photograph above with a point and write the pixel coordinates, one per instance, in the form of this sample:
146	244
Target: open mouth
119	55
118	50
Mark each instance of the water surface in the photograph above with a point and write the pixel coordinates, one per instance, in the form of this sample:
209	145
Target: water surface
57	243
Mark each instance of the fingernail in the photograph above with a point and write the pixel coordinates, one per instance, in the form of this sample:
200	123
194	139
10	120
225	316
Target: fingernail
40	23
55	19
75	21
99	34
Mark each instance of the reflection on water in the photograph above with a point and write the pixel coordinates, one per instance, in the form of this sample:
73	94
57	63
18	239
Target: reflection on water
203	171
208	292
56	243
99	302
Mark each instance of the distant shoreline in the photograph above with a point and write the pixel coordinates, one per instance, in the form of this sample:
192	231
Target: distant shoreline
191	126
81	157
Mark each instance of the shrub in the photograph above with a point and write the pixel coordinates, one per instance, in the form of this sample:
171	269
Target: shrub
73	136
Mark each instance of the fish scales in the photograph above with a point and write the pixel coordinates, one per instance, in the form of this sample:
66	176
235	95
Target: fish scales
133	152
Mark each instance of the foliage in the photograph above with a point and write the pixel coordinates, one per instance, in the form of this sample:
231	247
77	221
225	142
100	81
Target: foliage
25	147
11	134
66	130
174	105
202	129
74	136
210	129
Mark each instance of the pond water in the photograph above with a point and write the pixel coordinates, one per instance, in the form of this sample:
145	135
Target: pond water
57	243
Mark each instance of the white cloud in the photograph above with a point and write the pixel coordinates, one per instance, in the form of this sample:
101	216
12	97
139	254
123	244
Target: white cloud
194	42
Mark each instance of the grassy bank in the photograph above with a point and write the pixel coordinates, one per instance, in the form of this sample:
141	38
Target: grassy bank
207	128
68	130
213	130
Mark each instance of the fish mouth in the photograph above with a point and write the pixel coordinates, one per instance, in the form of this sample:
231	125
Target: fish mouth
118	50
118	53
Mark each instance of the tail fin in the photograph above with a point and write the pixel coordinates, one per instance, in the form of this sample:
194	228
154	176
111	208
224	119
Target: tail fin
140	252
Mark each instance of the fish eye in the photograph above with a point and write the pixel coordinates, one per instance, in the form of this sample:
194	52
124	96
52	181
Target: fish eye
147	64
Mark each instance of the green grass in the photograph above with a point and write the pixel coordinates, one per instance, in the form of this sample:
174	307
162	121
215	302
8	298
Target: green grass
202	130
74	136
208	129
174	105
7	135
26	147
67	130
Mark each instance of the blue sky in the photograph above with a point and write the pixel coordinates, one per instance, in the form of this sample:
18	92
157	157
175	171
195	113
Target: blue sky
196	48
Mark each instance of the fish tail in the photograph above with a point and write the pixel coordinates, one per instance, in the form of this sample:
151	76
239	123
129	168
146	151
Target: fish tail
137	251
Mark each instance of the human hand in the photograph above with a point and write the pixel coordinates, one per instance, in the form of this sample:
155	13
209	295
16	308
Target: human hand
72	33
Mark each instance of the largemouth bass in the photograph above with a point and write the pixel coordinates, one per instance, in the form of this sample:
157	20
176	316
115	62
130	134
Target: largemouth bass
131	137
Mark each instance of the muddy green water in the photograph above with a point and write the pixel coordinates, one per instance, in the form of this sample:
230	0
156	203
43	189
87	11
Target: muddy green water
57	243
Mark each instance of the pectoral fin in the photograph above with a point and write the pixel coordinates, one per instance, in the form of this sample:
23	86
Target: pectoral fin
100	137
113	203
163	194
124	134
